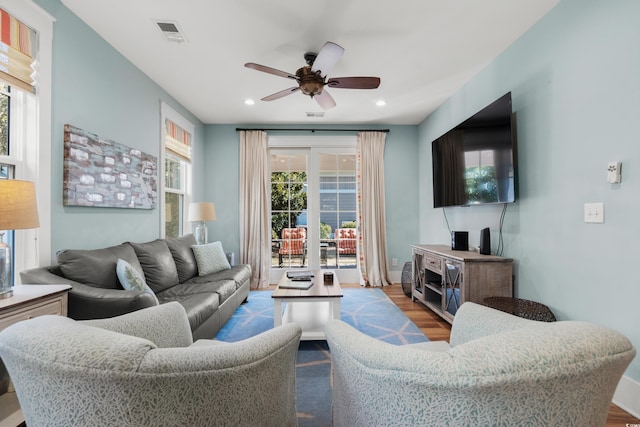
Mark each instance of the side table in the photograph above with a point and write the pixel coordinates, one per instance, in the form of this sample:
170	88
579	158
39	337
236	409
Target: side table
521	307
28	301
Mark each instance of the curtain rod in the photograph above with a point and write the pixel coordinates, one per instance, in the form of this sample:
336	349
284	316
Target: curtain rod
315	130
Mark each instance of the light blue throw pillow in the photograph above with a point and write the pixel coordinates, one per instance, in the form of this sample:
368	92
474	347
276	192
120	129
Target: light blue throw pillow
210	258
131	279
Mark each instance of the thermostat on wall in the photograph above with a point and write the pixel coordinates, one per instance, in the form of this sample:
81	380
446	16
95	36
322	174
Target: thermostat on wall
614	172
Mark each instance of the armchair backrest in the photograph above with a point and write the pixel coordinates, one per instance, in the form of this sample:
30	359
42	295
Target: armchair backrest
70	373
346	238
527	373
293	240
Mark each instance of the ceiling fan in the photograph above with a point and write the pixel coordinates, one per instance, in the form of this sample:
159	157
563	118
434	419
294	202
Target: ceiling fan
312	78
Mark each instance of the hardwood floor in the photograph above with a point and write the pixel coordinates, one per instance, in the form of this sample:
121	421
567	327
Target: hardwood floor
434	327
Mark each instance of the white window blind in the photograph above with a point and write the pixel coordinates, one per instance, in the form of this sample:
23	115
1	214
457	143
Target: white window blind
17	52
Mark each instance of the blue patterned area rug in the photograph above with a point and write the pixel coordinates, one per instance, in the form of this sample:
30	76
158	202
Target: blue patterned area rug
367	309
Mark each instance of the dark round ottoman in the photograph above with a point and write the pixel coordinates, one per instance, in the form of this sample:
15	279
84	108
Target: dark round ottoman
521	307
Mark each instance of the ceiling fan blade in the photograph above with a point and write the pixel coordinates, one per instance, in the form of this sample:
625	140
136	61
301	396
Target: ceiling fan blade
327	58
354	82
270	70
325	100
281	94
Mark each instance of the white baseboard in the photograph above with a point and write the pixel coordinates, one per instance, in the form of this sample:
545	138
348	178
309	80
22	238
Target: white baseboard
627	396
395	276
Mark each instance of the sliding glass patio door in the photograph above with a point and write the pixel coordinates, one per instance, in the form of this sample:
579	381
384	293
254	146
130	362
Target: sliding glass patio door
289	191
313	211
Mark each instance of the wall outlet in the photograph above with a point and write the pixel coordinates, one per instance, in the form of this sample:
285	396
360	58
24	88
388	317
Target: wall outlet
394	262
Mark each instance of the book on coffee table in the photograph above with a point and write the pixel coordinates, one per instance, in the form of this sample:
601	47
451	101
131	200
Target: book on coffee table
303	285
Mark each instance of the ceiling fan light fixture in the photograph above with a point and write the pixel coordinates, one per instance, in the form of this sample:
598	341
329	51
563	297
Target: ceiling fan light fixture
311	88
311	83
381	103
249	101
312	78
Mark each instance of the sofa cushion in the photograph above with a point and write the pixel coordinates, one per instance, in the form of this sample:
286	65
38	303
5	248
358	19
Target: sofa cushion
210	258
96	267
199	307
132	279
182	253
200	285
240	274
156	260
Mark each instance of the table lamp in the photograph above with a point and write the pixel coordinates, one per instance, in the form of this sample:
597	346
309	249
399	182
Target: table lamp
18	210
201	212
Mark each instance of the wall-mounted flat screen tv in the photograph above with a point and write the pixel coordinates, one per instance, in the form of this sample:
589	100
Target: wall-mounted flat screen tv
475	162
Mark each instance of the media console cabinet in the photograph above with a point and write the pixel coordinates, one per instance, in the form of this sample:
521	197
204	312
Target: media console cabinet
443	279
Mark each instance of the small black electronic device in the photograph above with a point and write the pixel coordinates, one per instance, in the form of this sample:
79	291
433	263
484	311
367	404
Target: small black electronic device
328	278
485	241
306	274
460	240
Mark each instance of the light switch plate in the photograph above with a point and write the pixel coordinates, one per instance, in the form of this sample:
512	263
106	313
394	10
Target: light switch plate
594	212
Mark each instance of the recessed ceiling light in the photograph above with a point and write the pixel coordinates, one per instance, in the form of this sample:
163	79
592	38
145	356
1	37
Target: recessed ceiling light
249	101
381	103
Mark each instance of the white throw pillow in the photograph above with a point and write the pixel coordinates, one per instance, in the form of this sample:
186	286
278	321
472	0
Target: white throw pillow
131	279
210	258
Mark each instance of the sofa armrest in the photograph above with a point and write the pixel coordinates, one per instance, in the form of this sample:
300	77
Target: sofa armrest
90	302
473	321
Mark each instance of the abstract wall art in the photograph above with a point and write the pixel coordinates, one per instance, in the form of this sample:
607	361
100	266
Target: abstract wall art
103	173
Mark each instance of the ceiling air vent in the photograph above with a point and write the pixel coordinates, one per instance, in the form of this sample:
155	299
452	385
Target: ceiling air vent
171	31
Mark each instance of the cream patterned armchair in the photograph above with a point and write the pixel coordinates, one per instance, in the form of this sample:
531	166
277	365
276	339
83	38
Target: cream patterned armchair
141	369
500	370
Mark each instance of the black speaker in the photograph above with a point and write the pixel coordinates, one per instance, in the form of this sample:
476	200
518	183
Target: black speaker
460	240
485	241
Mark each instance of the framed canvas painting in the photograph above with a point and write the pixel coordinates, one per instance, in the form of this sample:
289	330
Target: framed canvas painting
103	173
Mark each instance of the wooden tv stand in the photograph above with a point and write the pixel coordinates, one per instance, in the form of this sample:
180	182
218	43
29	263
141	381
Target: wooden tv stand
443	279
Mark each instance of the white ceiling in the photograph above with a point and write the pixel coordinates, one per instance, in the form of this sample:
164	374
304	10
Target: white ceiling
423	50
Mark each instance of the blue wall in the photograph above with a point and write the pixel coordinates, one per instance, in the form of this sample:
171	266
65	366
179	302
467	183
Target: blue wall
401	183
575	85
98	90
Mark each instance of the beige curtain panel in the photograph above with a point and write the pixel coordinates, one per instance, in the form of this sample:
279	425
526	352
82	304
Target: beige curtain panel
371	211
255	204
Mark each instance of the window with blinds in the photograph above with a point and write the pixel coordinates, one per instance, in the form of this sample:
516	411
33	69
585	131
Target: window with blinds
178	140
18	47
177	143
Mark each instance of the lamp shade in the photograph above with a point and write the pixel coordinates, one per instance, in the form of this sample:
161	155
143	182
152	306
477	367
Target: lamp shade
202	211
18	207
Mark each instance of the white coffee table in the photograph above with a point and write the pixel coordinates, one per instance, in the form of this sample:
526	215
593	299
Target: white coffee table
311	308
